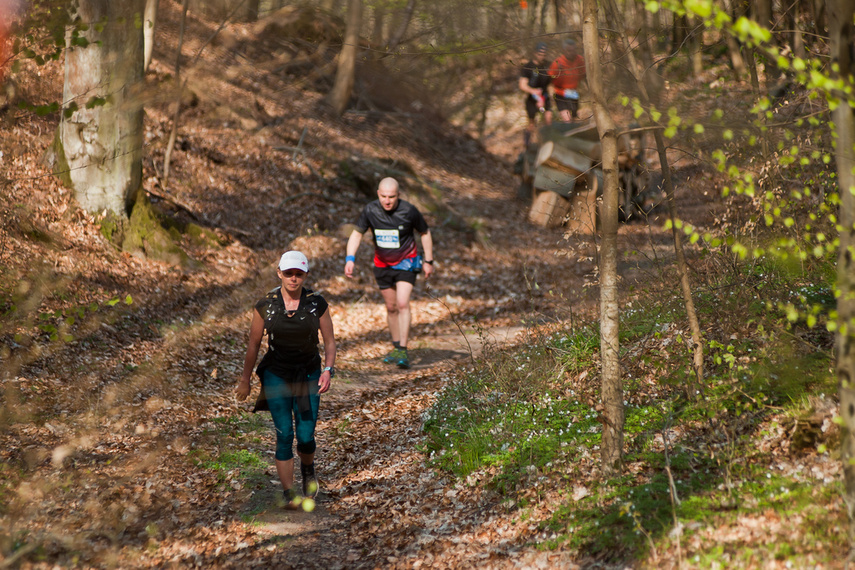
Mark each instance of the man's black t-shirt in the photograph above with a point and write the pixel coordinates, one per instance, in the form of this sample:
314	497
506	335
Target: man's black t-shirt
394	239
538	76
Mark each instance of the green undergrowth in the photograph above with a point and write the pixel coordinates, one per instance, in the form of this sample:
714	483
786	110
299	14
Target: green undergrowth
526	422
237	450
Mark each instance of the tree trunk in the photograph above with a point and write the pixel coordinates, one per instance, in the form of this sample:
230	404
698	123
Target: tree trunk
101	146
377	30
840	13
682	266
696	45
679	32
656	26
762	12
403	23
486	99
173	133
653	81
735	53
612	386
344	77
252	9
149	22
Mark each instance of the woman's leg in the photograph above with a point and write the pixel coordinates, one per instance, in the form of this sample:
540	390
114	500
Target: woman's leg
281	403
304	426
285	470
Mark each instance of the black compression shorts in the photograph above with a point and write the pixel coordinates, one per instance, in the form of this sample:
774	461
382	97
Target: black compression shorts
563	104
531	106
387	277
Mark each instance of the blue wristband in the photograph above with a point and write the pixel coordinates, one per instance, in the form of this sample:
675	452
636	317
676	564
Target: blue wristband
350	258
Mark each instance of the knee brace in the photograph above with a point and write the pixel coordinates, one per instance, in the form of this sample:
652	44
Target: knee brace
307	448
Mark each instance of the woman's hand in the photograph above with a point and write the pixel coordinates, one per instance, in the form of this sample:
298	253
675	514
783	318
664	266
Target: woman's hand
242	390
324	382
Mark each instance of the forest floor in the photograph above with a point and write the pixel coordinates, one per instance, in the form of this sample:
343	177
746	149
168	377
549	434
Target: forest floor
110	442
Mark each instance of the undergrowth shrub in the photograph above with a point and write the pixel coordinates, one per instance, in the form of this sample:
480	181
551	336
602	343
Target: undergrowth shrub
532	412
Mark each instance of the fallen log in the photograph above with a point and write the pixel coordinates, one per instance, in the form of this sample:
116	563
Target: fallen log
560	158
555	180
548	209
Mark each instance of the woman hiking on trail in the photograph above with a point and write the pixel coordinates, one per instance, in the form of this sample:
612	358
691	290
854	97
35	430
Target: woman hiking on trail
291	375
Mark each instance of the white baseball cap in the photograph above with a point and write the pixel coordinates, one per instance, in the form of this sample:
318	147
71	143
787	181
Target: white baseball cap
293	260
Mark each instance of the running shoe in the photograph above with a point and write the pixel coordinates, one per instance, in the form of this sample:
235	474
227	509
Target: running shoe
393	356
291	499
403	359
310	482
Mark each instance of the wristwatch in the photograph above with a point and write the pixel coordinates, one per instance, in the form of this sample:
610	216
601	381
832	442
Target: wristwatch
429	262
330	369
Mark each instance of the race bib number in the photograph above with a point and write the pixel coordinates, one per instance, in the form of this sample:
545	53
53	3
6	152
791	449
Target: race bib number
387	239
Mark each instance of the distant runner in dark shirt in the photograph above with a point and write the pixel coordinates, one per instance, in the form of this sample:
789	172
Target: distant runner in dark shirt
396	260
534	80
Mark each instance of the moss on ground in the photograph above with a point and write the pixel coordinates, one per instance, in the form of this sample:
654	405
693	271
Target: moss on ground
146	235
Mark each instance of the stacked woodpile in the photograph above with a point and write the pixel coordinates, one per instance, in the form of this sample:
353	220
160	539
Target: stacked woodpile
566	176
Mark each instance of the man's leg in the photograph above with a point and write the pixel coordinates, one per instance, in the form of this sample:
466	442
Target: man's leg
398	311
403	291
528	134
391	300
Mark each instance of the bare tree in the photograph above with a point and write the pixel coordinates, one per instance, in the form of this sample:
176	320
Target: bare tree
840	15
696	46
173	133
340	95
379	15
403	20
612	384
101	131
733	48
149	21
682	266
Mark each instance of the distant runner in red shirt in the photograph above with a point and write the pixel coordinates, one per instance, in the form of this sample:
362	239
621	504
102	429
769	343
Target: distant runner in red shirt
567	73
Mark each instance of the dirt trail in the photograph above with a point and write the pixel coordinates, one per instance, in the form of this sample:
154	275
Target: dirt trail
379	506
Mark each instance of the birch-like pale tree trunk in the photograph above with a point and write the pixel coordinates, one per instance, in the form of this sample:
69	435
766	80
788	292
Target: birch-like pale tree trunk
101	131
840	20
344	77
149	22
612	384
668	182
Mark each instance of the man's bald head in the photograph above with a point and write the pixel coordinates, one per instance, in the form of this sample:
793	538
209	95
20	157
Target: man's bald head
387	193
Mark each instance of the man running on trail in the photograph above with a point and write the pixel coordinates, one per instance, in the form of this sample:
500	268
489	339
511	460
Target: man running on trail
567	73
396	259
534	80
